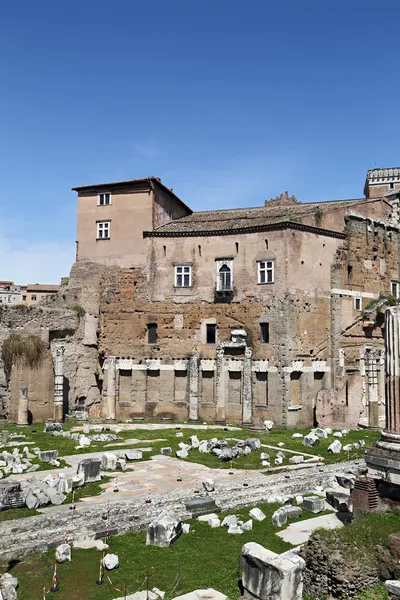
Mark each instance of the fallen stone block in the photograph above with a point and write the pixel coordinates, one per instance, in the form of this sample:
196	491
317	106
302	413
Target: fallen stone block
207	518
299	500
335	447
257	514
90	469
185	527
110	562
278	460
167	451
264	456
194	441
321	433
214	522
346	480
297	436
268	425
209	485
235	530
248	525
48	455
293	512
229	521
313	504
163	530
11	495
63	553
109	461
203	447
393	587
201	506
133	454
7	590
269	576
87	544
296	460
339	501
253	443
181	453
338	434
279	518
310	440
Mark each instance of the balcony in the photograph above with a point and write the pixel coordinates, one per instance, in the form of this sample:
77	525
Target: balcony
223	295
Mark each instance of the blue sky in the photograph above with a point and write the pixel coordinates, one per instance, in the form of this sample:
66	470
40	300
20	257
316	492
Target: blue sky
229	102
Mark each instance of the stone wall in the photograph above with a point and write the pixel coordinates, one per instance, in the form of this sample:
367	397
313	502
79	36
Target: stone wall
39	533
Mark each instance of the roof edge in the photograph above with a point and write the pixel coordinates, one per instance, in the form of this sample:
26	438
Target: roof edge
253	229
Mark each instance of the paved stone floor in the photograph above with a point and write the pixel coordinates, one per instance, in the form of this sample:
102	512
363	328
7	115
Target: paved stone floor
154	426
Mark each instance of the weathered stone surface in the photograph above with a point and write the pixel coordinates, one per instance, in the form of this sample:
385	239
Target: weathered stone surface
48	455
133	454
63	553
293	512
194	441
110	562
310	440
185	527
335	447
296	460
280	517
167	451
8	591
90	469
297	436
393	587
109	461
11	495
268	425
201	506
209	594
339	501
182	453
346	480
207	518
209	485
164	530
321	433
214	522
257	514
313	504
229	521
248	525
269	576
235	530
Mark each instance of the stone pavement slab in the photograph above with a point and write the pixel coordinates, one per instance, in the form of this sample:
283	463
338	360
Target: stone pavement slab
300	532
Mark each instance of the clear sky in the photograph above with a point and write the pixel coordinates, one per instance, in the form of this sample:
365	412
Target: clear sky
228	101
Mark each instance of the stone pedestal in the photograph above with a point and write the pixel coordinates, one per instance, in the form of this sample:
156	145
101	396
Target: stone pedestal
383	461
22	419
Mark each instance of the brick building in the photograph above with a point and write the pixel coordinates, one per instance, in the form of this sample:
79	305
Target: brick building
242	315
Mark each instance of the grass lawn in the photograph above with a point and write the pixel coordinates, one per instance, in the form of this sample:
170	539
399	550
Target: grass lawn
65	446
206	557
17	513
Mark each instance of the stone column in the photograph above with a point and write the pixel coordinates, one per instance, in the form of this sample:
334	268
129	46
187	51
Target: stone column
390	438
111	398
373	388
247	388
22	419
59	384
220	386
194	387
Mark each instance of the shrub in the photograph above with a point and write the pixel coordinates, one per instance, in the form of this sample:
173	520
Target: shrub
27	350
78	309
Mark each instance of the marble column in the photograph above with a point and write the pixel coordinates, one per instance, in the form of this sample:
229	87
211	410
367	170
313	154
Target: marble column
390	438
111	398
373	387
59	384
194	387
247	396
220	386
22	419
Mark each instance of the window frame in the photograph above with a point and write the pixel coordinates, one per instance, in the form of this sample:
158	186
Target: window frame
220	264
152	331
357	300
182	275
264	271
395	282
104	194
214	326
98	229
264	328
33	297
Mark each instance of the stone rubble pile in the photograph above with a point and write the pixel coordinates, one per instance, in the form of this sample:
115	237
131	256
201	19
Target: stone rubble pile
114	461
219	448
8	587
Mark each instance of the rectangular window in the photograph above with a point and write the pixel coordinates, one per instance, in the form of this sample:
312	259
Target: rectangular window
211	334
395	288
183	276
264	333
104	199
103	230
152	333
391	186
357	304
266	272
24	298
33	297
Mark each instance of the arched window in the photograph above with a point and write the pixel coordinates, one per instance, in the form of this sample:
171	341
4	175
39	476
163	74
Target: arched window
225	278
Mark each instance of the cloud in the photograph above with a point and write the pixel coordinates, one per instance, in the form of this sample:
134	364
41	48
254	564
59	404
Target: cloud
24	261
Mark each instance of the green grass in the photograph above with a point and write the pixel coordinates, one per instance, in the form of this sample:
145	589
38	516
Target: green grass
17	513
65	446
206	558
89	489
